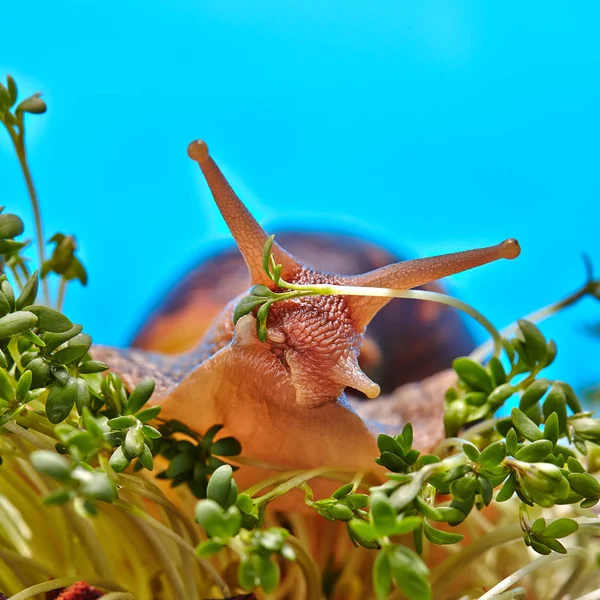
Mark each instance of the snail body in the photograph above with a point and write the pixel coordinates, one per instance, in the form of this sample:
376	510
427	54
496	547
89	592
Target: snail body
284	398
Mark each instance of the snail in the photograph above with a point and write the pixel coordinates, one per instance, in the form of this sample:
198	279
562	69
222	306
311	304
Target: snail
284	398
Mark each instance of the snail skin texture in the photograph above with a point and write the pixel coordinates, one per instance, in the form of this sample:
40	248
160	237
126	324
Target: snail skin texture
284	398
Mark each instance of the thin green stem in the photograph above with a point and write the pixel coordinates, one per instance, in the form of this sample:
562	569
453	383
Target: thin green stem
352	290
292	483
309	567
140	514
578	554
62	288
18	140
537	316
22	156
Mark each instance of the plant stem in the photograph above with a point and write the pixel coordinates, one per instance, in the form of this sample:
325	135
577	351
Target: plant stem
18	140
22	156
352	290
579	554
140	514
309	567
537	316
62	288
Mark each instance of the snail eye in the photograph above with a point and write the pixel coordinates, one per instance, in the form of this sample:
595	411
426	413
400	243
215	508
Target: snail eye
275	336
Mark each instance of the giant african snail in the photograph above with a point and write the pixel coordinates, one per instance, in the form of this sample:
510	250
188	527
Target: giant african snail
284	398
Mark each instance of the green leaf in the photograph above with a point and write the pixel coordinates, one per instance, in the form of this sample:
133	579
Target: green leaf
343	491
140	395
435	536
471	452
82	399
29	292
511	442
33	338
493	455
148	414
534	339
51	464
211	516
4	98
383	514
182	463
507	490
551	350
261	321
54	340
7	246
118	461
538	525
40	370
92	366
473	374
16	323
551	431
540	548
222	487
497	371
409	573
134	442
246	305
464	488
525	426
77	349
407	435
382	577
386	443
500	395
570	395
574	465
23	385
96	485
227	446
8	294
7	391
556	402
486	489
533	394
34	105
584	484
121	422
561	528
475	398
537	451
10	226
150	432
146	458
208	548
363	530
448	514
50	319
340	512
245	503
392	462
61	399
57	497
12	90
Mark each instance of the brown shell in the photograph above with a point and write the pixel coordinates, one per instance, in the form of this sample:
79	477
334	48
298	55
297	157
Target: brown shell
406	342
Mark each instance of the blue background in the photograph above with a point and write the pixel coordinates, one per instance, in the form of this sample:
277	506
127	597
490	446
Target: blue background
432	126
